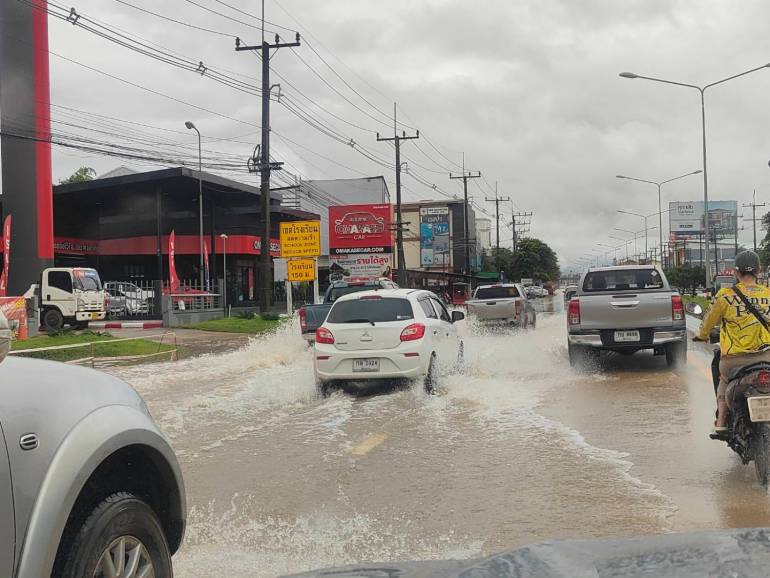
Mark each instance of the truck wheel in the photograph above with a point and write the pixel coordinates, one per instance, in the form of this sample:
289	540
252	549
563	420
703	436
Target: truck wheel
676	354
121	537
53	320
581	356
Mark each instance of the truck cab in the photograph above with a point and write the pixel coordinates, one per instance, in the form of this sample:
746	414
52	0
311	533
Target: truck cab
71	295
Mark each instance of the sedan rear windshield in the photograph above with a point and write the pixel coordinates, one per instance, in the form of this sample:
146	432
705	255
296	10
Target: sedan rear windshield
497	292
623	280
370	310
338	292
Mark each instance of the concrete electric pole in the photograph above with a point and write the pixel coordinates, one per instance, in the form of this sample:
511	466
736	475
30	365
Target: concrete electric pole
466	238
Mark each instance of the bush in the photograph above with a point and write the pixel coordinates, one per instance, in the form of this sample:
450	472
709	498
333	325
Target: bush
245	315
270	316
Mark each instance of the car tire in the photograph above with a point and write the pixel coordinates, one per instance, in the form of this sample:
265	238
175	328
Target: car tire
53	320
429	383
676	354
581	356
120	527
323	389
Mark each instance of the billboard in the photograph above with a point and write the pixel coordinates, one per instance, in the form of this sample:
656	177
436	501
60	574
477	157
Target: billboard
687	219
300	238
434	237
360	229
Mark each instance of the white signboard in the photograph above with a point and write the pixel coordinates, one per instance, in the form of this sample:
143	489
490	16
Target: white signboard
280	270
687	218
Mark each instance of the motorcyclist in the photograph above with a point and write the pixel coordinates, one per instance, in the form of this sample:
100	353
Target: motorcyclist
743	339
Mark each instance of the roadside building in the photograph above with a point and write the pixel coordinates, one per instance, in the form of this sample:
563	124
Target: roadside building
120	225
434	236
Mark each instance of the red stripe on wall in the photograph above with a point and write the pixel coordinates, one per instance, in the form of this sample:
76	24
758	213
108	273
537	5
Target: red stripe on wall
43	191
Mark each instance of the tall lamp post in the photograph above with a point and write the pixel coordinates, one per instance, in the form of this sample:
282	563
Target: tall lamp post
660	209
191	126
224	272
626	242
613	247
644	217
702	91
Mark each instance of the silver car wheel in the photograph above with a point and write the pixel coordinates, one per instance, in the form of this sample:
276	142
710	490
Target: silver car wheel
125	557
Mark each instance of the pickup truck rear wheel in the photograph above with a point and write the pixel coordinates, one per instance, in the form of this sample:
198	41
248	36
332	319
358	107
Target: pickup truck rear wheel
53	320
676	354
121	538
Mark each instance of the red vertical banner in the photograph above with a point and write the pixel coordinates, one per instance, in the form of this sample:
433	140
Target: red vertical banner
206	264
6	255
43	192
173	284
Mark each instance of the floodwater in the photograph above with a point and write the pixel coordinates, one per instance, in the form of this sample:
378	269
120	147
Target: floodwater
519	449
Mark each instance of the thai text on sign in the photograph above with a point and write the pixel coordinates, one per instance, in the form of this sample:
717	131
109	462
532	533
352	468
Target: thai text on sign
301	239
301	270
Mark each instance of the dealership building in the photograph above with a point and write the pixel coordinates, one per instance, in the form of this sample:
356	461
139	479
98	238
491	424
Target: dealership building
120	224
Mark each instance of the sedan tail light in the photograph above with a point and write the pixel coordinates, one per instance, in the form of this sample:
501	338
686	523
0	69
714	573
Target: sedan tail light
302	319
413	332
323	335
573	312
677	309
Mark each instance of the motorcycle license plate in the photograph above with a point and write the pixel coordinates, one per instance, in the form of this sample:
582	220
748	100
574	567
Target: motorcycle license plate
366	365
621	336
759	408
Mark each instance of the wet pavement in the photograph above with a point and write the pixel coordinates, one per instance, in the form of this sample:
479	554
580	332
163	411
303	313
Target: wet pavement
520	448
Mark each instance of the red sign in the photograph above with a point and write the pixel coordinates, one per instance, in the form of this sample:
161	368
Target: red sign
15	311
6	255
360	229
173	278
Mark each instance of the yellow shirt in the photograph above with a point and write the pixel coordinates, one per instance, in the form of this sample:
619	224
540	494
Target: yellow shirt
741	332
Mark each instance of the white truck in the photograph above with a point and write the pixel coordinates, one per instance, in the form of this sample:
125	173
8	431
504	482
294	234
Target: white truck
71	295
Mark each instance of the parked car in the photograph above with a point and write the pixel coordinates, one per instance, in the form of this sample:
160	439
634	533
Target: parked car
131	299
87	480
626	309
312	316
387	334
502	302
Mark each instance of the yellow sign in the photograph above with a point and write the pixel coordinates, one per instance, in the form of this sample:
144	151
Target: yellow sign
301	269
301	239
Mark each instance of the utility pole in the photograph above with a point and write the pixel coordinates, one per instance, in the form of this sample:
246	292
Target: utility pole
753	204
522	222
466	240
262	164
497	200
401	275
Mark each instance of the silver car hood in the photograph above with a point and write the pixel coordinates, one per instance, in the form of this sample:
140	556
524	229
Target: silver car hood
729	553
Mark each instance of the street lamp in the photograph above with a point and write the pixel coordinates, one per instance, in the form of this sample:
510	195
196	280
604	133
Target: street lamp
191	126
224	272
644	217
626	242
660	209
702	91
613	247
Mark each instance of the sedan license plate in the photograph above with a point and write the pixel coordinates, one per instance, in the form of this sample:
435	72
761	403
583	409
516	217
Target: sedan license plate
625	336
759	408
366	365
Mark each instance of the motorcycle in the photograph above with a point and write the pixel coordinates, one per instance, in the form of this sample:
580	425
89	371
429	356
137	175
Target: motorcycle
748	418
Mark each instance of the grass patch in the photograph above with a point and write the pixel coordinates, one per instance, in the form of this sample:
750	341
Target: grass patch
101	346
251	325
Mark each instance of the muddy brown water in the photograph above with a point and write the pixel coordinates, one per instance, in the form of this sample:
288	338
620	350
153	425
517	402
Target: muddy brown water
518	449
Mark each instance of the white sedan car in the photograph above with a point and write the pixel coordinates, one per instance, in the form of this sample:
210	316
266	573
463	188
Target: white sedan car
387	334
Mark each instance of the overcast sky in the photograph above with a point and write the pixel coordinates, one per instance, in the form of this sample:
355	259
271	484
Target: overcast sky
529	90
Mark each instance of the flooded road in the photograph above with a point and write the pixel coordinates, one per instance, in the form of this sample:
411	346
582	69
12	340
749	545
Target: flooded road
518	449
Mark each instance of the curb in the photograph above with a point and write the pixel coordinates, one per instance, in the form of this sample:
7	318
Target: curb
125	324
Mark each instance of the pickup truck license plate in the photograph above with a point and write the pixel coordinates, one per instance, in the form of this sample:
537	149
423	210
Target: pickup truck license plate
621	336
364	365
759	408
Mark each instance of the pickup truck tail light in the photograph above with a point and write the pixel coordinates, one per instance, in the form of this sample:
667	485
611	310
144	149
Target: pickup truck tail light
573	312
413	332
323	335
302	319
518	308
677	309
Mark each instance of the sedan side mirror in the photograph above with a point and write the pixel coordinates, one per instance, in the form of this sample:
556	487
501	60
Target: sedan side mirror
5	337
457	316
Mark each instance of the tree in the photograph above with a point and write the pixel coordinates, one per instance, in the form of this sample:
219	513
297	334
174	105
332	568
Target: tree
533	259
686	277
81	175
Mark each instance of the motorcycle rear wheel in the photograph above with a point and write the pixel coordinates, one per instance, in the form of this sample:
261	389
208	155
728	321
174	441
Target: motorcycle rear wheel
762	452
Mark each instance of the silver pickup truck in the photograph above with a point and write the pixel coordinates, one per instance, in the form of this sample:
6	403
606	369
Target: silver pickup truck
626	309
502	302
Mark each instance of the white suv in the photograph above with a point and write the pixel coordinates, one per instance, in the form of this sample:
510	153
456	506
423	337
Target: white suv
387	334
